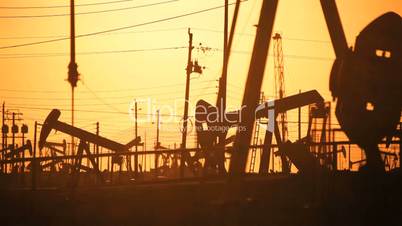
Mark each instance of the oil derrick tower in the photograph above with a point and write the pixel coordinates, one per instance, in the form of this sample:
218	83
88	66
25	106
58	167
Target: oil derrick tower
280	91
280	81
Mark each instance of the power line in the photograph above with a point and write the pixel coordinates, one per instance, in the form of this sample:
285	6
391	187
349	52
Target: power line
63	6
87	13
35	55
112	97
104	91
94	111
114	33
118	28
249	34
68	105
158	30
285	56
100	99
109	97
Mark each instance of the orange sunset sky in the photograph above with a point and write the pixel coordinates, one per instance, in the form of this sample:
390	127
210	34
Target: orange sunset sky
149	61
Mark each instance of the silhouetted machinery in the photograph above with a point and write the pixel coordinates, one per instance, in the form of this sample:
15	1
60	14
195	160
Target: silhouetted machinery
11	153
208	128
52	122
54	151
15	152
367	83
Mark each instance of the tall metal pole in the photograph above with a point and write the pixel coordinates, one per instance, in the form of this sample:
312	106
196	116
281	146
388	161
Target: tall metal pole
33	164
299	120
400	145
72	120
97	146
3	140
221	100
223	80
72	67
157	128
3	143
253	88
13	138
189	70
13	131
144	161
136	145
23	154
157	143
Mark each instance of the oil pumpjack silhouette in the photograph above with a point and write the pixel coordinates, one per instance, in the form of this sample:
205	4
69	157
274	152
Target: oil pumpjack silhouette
366	82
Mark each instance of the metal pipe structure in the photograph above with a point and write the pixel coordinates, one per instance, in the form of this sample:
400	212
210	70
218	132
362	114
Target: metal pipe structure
168	151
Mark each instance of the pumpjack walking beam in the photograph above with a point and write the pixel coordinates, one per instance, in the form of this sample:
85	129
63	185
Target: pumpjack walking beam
280	106
335	28
52	122
253	87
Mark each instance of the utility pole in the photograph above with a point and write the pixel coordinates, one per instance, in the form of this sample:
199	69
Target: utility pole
223	80
97	146
189	70
158	144
24	130
136	145
144	157
72	67
14	129
4	131
3	127
191	67
33	164
221	100
299	120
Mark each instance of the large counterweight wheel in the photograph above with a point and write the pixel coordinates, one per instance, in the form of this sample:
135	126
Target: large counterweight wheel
367	83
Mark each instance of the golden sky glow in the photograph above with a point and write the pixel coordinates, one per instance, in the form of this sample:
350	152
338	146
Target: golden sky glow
33	78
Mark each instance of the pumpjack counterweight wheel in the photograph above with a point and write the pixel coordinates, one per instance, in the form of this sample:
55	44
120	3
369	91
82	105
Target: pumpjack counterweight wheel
367	83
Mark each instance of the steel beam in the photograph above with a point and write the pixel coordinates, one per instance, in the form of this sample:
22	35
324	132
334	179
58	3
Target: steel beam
253	87
335	28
